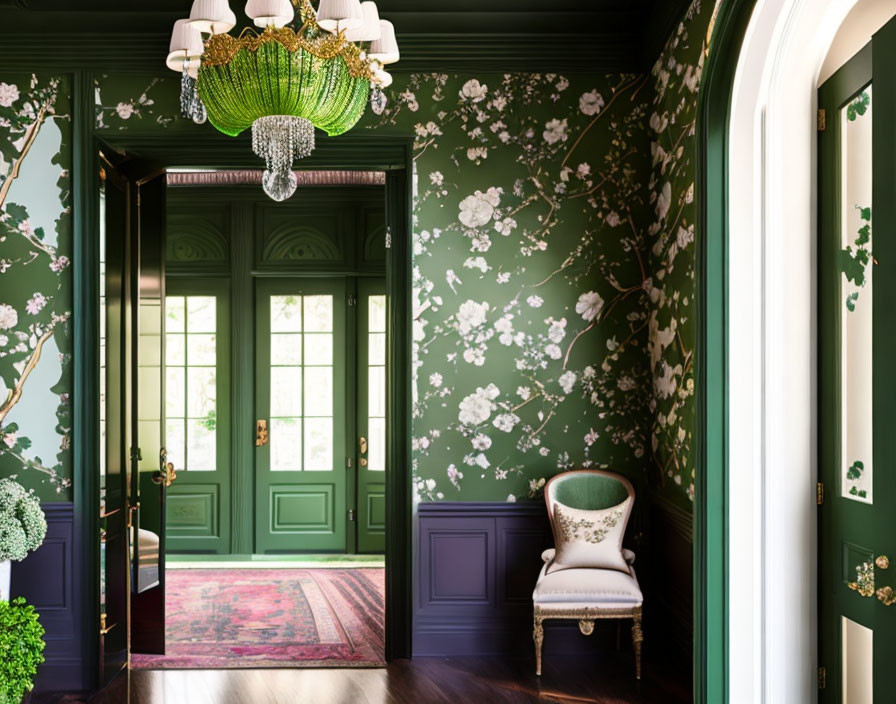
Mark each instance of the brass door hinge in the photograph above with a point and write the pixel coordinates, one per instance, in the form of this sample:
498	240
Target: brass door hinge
821	120
819	493
822	678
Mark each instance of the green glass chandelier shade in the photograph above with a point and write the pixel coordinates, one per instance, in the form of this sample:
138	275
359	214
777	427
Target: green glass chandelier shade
273	80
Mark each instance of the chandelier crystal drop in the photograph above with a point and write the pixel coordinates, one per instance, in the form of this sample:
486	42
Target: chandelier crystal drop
306	70
280	140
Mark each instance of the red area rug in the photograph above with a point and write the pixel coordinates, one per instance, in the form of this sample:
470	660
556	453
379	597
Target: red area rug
238	618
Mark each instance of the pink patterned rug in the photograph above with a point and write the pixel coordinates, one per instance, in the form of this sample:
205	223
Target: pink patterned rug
238	618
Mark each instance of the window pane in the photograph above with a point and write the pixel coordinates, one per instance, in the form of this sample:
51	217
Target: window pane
174	308
175	442
286	314
376	396
286	444
318	313
319	444
200	391
201	350
200	314
376	312
200	445
318	391
286	349
376	348
319	348
857	300
376	455
286	391
174	349
175	393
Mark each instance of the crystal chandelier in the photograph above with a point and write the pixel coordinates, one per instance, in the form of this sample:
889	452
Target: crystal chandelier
304	69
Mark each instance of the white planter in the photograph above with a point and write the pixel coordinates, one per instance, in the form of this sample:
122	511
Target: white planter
5	573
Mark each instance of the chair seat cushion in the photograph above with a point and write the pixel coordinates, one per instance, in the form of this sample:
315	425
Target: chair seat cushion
583	587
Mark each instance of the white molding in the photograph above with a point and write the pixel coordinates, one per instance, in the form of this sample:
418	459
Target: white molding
772	351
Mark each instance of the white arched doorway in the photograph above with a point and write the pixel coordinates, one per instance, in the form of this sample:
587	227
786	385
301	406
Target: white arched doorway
772	474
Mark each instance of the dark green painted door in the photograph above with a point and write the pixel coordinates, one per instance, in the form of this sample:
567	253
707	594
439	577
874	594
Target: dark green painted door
857	332
371	416
114	593
301	459
197	414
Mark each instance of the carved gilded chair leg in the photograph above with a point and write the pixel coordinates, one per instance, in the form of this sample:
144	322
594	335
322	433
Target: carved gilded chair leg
637	638
538	637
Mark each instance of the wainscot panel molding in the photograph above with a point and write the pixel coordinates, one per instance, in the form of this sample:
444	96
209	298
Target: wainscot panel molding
477	564
46	578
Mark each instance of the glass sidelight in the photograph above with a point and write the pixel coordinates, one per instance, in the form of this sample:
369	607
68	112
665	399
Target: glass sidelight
371	416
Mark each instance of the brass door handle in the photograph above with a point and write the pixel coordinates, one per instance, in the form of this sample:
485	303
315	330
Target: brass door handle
166	473
363	445
261	432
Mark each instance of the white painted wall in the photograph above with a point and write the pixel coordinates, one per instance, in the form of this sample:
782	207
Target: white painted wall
772	338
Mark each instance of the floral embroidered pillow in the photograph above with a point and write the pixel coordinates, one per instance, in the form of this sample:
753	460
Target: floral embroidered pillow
589	538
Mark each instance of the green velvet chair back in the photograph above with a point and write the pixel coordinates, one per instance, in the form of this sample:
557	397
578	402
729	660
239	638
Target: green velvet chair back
588	489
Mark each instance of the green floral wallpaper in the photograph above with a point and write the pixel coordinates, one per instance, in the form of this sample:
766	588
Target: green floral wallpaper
672	325
35	283
531	277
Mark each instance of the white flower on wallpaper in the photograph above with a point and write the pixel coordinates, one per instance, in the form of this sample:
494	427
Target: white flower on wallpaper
474	91
9	93
477	408
591	102
9	317
478	209
589	305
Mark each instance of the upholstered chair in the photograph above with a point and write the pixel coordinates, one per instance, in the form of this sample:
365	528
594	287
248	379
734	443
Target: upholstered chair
588	576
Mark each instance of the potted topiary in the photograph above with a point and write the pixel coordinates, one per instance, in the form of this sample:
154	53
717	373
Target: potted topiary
22	528
21	650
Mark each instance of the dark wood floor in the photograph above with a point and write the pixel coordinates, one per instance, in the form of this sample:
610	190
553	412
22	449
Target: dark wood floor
417	681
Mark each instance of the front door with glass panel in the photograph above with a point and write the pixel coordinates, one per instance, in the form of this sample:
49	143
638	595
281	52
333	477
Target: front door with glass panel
857	334
301	459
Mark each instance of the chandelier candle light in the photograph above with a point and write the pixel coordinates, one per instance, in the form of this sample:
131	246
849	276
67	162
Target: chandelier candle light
282	81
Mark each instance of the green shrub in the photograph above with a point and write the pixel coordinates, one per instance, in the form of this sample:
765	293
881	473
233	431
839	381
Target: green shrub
21	649
22	522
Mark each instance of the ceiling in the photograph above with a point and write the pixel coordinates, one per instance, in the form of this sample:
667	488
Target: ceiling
582	35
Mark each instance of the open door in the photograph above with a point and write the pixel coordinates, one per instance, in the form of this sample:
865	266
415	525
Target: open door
151	472
115	414
857	301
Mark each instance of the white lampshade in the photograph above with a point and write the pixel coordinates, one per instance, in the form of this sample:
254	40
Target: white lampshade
212	16
336	15
385	49
270	13
369	31
185	45
382	78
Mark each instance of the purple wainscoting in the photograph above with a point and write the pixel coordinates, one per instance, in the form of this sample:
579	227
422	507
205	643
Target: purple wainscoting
47	579
476	566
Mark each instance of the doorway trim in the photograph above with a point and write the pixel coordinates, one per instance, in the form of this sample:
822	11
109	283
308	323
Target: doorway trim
392	154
